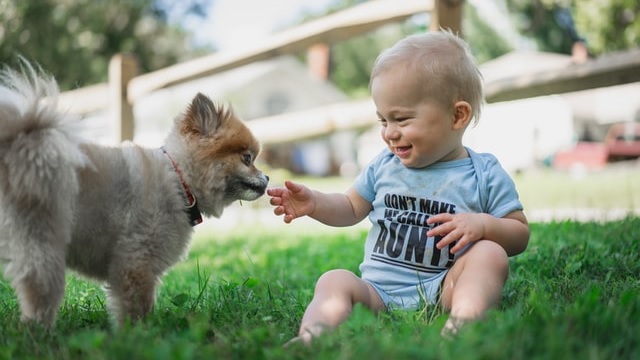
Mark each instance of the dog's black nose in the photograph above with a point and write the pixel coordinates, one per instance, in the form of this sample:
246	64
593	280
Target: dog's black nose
267	176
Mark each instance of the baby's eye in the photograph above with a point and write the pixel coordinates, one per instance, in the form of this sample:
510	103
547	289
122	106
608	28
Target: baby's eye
382	121
246	159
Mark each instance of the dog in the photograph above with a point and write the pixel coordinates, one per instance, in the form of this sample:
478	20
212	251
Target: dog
119	215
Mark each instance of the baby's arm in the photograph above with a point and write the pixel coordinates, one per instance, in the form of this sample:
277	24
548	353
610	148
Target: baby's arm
335	209
510	231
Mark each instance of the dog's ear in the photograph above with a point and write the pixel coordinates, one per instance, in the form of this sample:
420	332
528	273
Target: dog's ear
203	117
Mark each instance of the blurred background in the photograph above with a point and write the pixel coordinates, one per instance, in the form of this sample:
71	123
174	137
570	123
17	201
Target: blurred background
562	79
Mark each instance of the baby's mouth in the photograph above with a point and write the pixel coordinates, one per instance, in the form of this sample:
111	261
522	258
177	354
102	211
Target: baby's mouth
402	150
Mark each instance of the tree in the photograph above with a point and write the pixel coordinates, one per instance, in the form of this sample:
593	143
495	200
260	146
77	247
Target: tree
74	40
605	25
609	25
352	60
486	44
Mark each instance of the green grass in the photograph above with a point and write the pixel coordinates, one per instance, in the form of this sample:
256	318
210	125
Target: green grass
574	294
617	187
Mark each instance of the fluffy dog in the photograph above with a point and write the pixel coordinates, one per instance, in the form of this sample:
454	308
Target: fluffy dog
119	215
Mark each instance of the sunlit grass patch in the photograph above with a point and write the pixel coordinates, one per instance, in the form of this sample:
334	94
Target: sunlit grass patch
573	294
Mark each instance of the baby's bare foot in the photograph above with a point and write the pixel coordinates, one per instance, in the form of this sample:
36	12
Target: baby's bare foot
452	327
306	335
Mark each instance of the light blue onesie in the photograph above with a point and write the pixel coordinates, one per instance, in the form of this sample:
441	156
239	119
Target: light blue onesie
400	261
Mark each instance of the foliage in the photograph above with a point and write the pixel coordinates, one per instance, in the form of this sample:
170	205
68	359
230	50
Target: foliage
486	44
574	294
352	59
605	25
76	39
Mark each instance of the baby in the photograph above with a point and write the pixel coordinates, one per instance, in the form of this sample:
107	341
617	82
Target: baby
444	219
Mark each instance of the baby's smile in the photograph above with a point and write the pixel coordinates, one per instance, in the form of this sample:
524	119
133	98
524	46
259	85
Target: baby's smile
402	151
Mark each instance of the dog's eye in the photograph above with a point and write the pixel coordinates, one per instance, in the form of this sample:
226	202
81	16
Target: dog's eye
246	159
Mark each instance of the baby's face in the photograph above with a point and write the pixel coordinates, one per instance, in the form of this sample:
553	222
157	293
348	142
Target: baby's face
417	129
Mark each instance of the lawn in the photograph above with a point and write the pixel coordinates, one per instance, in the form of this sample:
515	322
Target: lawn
574	294
616	188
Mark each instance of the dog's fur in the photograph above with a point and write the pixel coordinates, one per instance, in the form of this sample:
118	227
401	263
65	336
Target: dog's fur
115	214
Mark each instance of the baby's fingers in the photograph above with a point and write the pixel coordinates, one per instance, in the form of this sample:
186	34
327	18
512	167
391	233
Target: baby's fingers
281	210
278	210
439	218
442	230
458	245
446	240
275	201
274	191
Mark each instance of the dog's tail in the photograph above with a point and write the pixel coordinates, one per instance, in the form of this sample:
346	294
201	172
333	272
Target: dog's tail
39	148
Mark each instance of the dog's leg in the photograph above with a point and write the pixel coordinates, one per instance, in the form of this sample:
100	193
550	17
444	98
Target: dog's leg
131	292
38	278
37	264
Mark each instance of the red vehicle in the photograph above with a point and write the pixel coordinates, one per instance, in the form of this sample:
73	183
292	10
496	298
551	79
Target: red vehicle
591	155
623	141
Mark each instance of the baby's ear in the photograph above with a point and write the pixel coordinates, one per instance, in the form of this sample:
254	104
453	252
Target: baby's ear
462	113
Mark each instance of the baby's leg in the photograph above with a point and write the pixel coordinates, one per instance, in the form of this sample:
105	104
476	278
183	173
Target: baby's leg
475	282
335	294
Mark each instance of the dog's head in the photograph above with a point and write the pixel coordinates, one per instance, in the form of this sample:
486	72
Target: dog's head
218	153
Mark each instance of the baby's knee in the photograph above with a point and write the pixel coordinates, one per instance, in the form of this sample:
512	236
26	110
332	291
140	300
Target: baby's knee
495	255
488	255
492	250
336	276
338	281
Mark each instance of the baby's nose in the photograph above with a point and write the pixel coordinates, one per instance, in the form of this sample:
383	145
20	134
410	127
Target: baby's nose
391	133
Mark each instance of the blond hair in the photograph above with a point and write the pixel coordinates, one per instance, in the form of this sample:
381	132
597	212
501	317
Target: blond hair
444	67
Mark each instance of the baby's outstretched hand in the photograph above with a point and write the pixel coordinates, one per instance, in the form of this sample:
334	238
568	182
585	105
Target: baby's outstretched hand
293	200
